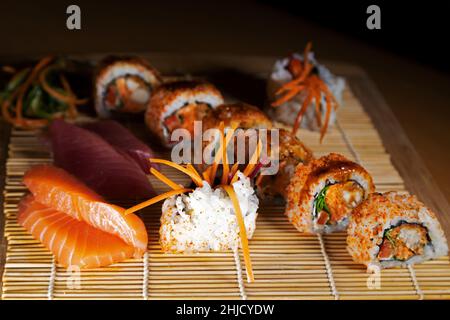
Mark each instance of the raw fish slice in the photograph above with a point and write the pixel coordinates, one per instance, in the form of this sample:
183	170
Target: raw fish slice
97	163
73	242
121	138
59	190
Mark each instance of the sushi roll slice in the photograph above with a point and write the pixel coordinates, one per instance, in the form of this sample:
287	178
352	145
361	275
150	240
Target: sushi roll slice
177	105
304	93
246	116
218	213
205	219
291	152
394	229
124	85
322	194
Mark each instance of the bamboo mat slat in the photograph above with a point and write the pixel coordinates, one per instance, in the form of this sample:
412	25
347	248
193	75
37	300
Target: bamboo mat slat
287	264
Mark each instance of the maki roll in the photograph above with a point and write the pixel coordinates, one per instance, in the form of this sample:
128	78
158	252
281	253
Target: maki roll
218	213
394	229
304	93
322	194
124	85
245	116
205	220
176	105
290	153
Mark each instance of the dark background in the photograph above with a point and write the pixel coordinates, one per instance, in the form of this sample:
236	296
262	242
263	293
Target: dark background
418	30
408	59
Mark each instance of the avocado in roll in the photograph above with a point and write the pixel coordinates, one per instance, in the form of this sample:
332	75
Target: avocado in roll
322	194
124	85
394	229
176	105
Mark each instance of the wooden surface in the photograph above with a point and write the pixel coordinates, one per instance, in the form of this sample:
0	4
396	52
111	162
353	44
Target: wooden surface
287	264
417	94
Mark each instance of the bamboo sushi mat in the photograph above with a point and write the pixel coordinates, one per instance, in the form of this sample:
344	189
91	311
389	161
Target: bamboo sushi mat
287	264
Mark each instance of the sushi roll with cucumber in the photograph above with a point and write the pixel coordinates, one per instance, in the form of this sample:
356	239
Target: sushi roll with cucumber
124	85
176	105
394	229
322	194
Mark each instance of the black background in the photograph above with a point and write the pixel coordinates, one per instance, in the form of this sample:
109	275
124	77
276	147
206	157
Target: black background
419	30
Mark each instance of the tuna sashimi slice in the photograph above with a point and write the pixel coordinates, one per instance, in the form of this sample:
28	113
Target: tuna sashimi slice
97	163
121	138
73	242
61	191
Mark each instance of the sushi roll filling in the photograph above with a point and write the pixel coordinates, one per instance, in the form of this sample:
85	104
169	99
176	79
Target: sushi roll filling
335	201
403	242
185	116
127	92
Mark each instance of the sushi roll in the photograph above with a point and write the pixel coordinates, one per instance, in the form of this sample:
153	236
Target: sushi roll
394	229
218	213
124	85
246	116
177	105
304	93
205	220
322	194
290	153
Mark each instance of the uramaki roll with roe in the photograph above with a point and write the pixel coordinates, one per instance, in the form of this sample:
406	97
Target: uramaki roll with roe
124	85
290	153
245	116
323	193
394	229
177	105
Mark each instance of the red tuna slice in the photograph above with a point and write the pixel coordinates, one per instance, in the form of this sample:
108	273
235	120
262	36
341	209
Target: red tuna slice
97	163
122	138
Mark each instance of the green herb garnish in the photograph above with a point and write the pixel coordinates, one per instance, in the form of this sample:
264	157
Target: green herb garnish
320	203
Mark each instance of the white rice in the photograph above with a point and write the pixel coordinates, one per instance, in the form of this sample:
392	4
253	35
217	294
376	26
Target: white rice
204	220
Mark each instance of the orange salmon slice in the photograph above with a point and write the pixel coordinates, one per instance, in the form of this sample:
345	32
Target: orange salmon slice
73	242
58	190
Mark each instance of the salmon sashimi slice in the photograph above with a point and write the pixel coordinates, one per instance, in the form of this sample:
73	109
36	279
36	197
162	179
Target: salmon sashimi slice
73	242
57	189
101	166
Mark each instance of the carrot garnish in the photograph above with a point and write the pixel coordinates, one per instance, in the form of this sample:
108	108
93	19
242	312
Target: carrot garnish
242	232
253	160
305	81
156	199
197	180
193	170
233	171
161	177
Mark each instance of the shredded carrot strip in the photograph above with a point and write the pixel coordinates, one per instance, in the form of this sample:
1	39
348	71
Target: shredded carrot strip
225	167
206	176
24	87
242	232
155	200
253	160
166	180
233	171
193	170
302	111
54	93
197	180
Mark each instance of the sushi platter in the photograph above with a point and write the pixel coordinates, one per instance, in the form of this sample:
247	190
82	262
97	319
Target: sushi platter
319	262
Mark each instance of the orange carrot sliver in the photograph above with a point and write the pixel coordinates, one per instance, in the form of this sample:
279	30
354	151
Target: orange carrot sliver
154	200
242	232
253	160
161	177
197	179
